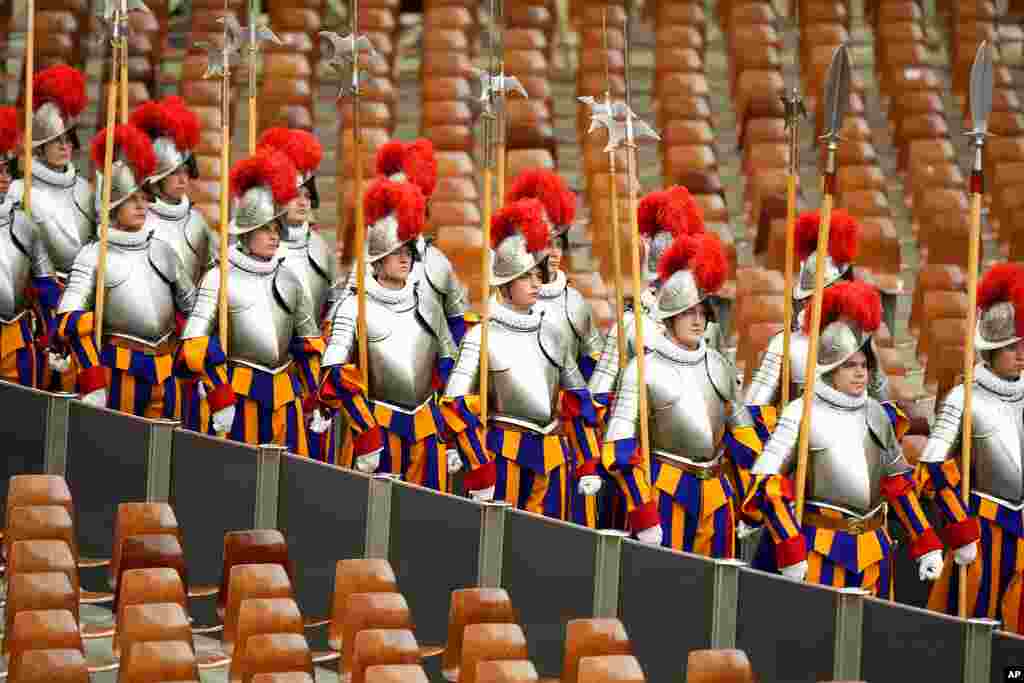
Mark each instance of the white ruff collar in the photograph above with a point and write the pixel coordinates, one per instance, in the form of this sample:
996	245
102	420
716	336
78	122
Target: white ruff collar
126	239
44	173
551	290
253	265
171	212
390	297
669	348
826	392
296	235
517	321
1008	389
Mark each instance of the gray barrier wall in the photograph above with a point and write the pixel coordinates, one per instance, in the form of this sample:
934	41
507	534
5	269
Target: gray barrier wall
903	643
23	433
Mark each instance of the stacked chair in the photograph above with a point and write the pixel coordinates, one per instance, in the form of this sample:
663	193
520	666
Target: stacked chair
529	35
289	86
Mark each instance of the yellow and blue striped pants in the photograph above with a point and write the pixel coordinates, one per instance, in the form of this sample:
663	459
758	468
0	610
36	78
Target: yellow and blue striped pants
130	394
256	423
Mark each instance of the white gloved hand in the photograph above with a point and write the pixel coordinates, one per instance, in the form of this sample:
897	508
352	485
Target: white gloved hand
966	554
483	495
454	461
589	485
743	530
797	572
319	423
223	419
57	362
929	565
368	463
651	535
97	398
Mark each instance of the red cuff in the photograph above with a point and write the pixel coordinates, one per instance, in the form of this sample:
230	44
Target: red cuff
588	468
961	533
925	543
790	551
221	397
644	517
179	323
91	379
310	403
481	478
895	486
369	441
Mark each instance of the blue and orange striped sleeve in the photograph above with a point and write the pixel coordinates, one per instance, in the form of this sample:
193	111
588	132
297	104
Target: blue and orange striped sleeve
342	388
770	501
898	489
75	329
307	352
204	358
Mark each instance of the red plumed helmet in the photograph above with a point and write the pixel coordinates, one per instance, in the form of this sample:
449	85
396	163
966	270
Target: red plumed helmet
843	235
185	124
702	254
414	160
405	200
390	156
268	168
681	213
525	216
10	135
62	85
854	301
552	191
648	212
1004	282
130	145
301	146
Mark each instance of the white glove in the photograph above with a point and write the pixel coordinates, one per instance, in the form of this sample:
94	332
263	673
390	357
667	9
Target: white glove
97	398
797	572
319	423
454	461
201	390
929	565
57	362
651	535
743	530
368	463
589	485
223	419
483	495
966	554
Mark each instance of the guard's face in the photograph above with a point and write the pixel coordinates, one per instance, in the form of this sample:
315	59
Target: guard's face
851	378
524	290
263	242
1008	362
57	152
131	215
554	256
298	209
174	186
688	327
395	267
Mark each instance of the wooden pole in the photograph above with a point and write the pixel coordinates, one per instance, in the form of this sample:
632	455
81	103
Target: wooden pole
225	171
108	162
253	114
485	284
787	310
360	217
620	304
30	42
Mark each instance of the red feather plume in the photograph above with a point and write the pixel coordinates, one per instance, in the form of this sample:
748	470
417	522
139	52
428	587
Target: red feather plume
421	165
703	254
525	216
62	85
301	146
855	301
648	212
266	167
389	158
1004	282
405	200
10	136
681	213
130	145
843	235
186	122
152	119
552	191
377	200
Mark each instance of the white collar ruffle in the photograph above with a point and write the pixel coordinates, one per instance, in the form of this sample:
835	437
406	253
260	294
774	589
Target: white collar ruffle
1006	388
830	394
171	212
44	173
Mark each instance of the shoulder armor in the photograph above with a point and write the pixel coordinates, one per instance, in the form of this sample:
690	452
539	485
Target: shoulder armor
775	344
164	259
578	311
880	424
437	269
197	231
83	197
430	311
23	231
551	343
722	374
89	255
320	255
287	288
945	432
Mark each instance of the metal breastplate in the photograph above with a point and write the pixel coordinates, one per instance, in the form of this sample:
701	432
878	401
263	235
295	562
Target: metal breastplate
523	380
998	435
797	363
687	415
15	270
402	353
557	314
139	302
297	259
259	327
64	226
172	232
846	461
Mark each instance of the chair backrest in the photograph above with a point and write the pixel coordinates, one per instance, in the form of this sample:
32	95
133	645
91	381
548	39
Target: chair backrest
147	586
43	556
153	622
160	662
51	666
590	638
251	581
41	630
264	615
718	666
395	673
473	606
41	522
510	671
274	653
35	591
37	489
135	519
357	576
252	546
149	551
487	642
382	646
284	677
613	669
371	610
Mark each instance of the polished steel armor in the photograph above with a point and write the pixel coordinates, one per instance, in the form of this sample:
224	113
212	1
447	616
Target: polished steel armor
145	282
690	397
804	286
267	307
997	327
997	448
184	228
168	158
62	208
853	446
567	309
48	123
765	386
406	335
122	186
255	209
307	255
22	256
528	363
606	373
435	268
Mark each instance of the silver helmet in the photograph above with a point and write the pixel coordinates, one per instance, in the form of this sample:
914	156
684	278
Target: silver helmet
843	238
519	240
997	325
262	184
662	215
305	152
692	268
395	215
851	313
654	246
134	161
804	287
174	129
59	97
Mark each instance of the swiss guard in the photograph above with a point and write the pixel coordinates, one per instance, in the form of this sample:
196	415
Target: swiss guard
534	465
682	497
253	395
395	423
146	289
